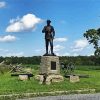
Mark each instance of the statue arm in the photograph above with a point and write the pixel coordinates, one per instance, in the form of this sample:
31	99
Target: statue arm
53	31
43	31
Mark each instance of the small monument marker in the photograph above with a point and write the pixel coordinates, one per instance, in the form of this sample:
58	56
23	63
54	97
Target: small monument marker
74	78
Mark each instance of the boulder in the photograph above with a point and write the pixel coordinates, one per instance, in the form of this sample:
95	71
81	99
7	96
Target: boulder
54	78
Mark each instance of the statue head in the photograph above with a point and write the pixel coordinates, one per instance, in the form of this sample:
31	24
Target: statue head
48	22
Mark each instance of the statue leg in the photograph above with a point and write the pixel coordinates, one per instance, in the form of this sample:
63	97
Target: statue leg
51	44
47	43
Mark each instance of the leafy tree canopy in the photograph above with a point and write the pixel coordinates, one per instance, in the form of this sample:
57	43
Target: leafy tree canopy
93	37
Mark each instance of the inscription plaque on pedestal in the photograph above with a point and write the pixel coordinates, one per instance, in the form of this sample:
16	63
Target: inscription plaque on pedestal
53	65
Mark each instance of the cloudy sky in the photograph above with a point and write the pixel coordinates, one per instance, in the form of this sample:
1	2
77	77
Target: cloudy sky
21	22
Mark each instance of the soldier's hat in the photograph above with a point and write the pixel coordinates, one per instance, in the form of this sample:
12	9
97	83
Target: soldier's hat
48	21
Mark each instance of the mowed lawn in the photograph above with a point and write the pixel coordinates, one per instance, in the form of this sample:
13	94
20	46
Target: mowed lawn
10	85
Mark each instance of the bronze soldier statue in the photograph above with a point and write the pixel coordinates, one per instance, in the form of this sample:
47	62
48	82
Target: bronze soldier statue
49	36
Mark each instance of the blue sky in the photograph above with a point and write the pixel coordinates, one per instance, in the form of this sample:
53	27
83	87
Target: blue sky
21	23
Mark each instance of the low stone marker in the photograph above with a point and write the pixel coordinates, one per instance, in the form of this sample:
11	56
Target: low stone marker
23	77
74	78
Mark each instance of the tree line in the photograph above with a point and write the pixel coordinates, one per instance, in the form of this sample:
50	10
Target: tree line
77	60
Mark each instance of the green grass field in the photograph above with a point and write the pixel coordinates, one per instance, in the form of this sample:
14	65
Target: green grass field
10	85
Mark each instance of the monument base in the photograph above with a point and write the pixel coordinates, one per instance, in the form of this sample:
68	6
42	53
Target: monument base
49	70
49	79
46	54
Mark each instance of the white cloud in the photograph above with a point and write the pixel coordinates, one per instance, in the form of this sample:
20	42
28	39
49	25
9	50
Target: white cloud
79	45
91	54
7	38
26	23
2	4
3	50
58	48
75	54
66	54
18	54
57	53
70	54
60	39
14	20
38	50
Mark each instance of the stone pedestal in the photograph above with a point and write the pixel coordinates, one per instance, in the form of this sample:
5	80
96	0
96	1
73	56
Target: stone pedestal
49	70
49	65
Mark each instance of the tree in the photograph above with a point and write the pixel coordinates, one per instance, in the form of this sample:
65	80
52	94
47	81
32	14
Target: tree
93	37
